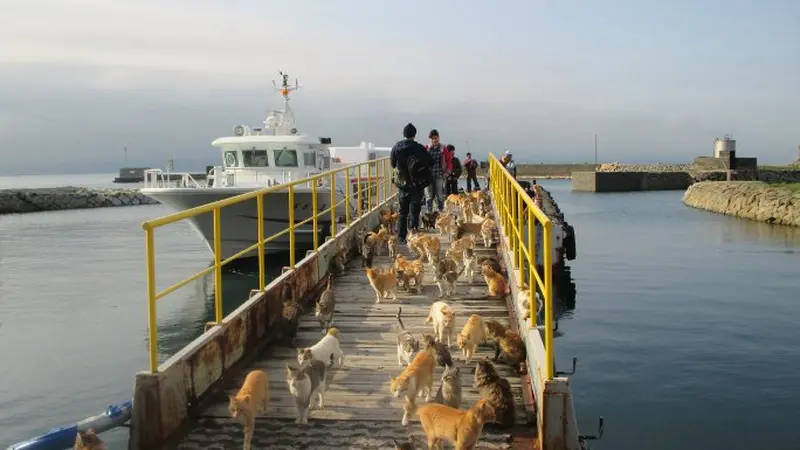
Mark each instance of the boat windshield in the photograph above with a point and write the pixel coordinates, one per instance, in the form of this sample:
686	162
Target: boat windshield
285	158
255	158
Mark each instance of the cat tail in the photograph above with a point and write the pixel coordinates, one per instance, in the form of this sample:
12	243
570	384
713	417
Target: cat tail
399	320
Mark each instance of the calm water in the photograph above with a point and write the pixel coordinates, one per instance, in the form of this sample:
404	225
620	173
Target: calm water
684	322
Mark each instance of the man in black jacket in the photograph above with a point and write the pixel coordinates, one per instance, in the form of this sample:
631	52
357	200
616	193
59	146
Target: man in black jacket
411	164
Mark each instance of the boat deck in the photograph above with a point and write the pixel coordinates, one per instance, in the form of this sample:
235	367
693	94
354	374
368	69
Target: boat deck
359	410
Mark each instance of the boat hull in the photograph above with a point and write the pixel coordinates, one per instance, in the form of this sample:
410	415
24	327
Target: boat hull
239	226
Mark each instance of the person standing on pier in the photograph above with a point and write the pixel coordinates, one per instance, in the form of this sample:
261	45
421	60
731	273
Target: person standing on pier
509	164
411	164
471	166
439	168
451	179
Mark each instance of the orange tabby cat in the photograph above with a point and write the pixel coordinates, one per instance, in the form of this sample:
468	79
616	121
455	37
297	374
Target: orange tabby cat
496	283
88	441
253	397
416	379
472	335
460	428
384	283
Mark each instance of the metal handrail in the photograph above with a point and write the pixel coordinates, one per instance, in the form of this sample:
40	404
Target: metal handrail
378	176
509	199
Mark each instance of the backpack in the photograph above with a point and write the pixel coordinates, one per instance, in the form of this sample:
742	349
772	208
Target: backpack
456	172
418	172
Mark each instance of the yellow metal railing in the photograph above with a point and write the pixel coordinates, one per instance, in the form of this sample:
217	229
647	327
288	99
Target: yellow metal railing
372	179
516	209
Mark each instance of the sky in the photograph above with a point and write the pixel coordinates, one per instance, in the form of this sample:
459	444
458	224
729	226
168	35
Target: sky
657	81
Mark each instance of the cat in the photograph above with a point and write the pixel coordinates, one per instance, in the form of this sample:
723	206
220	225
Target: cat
449	392
441	352
511	345
292	311
394	248
523	297
367	252
304	383
494	263
444	320
428	219
327	350
413	269
88	440
407	344
338	261
472	335
443	223
416	379
470	262
487	232
460	428
459	245
497	286
378	238
410	444
384	283
445	276
325	307
497	391
252	398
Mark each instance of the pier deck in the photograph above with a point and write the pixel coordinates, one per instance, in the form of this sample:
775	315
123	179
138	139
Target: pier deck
360	412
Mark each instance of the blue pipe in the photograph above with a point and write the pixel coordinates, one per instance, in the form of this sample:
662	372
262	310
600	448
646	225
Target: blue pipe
64	437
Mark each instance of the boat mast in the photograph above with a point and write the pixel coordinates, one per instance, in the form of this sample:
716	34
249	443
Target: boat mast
285	89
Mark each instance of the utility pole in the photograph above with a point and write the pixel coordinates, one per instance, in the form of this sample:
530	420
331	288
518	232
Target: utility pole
595	148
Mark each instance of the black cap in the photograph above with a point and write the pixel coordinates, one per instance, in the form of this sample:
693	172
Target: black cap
409	131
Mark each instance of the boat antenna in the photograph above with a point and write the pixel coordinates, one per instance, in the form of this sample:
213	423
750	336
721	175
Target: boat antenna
285	89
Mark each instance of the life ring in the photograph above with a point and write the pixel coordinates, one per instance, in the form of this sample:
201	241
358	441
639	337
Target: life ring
230	159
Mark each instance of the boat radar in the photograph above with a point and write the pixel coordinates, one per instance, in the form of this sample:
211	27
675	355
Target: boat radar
278	122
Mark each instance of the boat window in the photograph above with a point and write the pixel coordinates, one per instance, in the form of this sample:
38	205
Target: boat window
255	158
285	158
310	159
230	159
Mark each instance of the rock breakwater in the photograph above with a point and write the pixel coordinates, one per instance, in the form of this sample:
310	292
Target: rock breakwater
748	200
69	197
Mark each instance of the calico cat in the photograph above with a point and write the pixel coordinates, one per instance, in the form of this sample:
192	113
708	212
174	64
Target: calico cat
497	391
325	307
472	335
444	321
327	350
292	311
416	379
450	391
251	399
407	344
440	351
460	428
384	283
304	383
88	440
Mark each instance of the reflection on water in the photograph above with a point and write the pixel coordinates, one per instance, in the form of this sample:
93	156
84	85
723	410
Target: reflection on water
188	322
750	231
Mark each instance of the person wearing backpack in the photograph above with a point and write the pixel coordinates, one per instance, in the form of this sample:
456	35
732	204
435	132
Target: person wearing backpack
411	171
471	166
438	169
451	183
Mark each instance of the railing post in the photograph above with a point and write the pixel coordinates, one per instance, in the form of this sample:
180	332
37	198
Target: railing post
314	211
333	205
348	196
217	264
358	192
520	215
152	322
548	301
291	226
531	268
262	274
379	183
369	186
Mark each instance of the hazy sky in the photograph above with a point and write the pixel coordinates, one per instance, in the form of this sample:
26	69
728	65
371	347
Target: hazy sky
656	80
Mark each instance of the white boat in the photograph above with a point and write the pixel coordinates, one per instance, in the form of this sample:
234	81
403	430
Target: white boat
254	159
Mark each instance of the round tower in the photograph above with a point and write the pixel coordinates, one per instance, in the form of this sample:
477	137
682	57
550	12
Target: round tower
726	144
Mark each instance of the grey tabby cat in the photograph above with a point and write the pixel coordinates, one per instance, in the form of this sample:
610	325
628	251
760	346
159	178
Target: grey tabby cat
325	307
305	382
407	344
450	391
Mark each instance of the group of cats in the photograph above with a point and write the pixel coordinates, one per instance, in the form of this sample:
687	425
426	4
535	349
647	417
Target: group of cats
441	419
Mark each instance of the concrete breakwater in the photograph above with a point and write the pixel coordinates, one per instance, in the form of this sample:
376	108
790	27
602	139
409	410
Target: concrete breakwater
748	200
53	199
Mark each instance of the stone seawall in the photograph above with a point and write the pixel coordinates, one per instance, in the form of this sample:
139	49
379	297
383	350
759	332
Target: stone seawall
748	200
53	199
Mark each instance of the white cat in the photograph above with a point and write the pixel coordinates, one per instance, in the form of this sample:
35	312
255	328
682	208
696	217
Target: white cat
470	262
444	321
326	350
